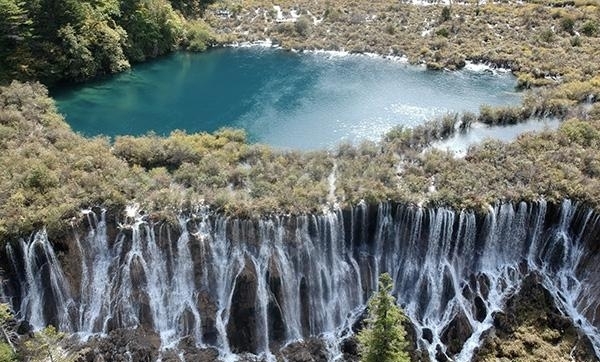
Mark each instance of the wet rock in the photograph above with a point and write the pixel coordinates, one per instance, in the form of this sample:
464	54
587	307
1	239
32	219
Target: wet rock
305	306
138	293
428	335
191	352
243	231
275	317
456	334
310	350
349	348
200	251
480	309
242	326
140	344
532	328
248	357
440	356
412	347
24	328
187	322
208	312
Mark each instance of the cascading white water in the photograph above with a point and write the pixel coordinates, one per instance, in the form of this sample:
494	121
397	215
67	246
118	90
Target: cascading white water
41	278
95	278
255	286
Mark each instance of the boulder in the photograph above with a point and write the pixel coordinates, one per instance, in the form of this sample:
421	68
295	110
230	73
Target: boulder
310	350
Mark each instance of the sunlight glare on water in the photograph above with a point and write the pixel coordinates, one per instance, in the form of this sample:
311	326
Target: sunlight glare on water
285	99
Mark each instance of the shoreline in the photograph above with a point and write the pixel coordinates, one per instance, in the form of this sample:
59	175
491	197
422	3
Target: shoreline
369	172
474	66
426	34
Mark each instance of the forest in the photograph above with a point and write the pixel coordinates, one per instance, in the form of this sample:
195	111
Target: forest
52	41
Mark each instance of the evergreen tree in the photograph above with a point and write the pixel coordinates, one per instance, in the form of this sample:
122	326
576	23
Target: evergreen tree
384	338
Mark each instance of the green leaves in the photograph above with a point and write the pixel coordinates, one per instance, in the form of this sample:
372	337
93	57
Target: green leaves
75	40
49	344
14	19
384	338
153	28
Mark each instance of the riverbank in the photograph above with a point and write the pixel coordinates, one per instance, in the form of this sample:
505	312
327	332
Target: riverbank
52	173
527	37
552	44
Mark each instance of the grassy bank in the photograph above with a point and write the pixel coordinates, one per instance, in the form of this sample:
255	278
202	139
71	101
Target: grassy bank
50	173
550	44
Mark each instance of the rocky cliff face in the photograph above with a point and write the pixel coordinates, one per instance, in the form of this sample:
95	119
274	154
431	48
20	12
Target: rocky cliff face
296	286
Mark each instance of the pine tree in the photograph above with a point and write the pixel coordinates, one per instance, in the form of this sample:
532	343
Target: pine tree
384	338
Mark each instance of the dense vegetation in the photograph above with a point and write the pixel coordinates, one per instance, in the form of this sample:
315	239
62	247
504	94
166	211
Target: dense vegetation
50	173
550	43
75	40
45	345
384	338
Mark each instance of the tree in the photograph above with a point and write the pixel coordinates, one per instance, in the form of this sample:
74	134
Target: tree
7	335
384	338
14	20
50	345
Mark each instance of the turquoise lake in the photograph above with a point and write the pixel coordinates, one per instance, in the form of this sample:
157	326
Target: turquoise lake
285	99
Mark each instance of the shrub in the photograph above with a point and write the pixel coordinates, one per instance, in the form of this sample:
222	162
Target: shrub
333	14
303	26
198	36
390	29
285	28
442	32
525	81
580	132
567	24
466	121
6	353
589	28
446	14
49	344
546	35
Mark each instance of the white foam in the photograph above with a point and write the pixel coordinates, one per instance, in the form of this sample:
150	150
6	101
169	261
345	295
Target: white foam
460	143
277	9
482	67
266	43
132	210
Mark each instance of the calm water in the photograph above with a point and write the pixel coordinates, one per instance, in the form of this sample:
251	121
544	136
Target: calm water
280	98
460	143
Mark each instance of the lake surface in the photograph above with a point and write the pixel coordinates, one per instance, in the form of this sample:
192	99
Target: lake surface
459	143
285	99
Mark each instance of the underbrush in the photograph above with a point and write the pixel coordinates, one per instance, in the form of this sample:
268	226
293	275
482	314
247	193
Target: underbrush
50	173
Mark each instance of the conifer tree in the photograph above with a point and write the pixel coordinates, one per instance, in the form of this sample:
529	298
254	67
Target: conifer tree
384	338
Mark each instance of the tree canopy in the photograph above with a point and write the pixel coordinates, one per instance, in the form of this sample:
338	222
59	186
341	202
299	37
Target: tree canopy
76	40
384	338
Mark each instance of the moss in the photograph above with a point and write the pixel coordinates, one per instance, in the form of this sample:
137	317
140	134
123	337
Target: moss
532	329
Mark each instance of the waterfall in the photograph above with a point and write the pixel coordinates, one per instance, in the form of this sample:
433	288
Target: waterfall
257	285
